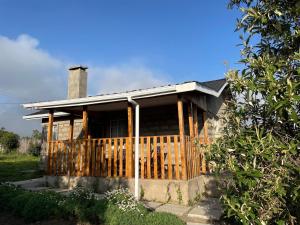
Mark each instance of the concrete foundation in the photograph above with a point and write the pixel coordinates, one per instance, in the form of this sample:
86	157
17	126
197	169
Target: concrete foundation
172	191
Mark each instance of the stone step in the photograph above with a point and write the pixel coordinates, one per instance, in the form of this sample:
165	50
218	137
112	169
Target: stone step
194	223
152	205
35	189
208	209
32	183
178	210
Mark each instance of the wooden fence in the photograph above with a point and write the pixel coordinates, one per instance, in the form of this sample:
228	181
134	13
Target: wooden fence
161	157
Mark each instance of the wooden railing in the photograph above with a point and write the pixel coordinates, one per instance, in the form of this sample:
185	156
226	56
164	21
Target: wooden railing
161	157
196	164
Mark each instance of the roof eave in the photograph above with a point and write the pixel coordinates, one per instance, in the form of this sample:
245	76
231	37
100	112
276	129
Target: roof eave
147	93
209	91
44	115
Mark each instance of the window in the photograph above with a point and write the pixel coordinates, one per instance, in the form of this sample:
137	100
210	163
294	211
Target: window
117	128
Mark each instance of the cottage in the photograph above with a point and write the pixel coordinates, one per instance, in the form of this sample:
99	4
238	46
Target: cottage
93	139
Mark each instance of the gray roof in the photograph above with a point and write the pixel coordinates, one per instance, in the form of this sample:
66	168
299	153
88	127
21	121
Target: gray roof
215	85
214	88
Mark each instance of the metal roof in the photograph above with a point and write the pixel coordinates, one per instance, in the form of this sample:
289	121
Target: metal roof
214	88
214	84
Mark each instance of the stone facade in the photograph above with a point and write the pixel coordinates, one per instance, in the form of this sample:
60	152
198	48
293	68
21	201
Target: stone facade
77	84
216	109
173	191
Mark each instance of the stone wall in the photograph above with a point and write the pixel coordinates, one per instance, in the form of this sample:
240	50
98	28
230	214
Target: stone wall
173	191
216	109
61	132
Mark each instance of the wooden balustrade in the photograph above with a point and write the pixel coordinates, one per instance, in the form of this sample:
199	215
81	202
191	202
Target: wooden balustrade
160	157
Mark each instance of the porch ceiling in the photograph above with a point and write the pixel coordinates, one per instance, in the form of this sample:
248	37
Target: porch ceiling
112	106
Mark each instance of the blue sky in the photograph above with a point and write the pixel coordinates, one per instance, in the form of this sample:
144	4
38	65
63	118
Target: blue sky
126	44
189	40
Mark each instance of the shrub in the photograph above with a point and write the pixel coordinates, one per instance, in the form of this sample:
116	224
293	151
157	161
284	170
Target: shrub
34	148
7	193
81	195
8	140
123	199
81	205
116	216
260	147
161	218
18	203
43	205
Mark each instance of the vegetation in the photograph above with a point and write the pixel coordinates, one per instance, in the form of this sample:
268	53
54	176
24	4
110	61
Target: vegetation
119	207
15	166
259	152
35	143
9	141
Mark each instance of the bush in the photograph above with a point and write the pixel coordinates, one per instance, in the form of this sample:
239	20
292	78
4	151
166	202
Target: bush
18	203
34	148
161	218
124	200
116	216
81	205
8	140
260	147
42	206
7	194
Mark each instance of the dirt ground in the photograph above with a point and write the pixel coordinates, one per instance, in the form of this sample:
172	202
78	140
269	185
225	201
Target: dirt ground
8	219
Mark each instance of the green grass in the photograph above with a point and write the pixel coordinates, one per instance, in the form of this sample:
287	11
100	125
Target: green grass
16	167
80	206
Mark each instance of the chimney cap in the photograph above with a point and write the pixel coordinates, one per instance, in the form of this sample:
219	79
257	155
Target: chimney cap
75	67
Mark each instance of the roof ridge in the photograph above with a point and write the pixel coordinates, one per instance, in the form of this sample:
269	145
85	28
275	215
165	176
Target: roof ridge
184	82
211	80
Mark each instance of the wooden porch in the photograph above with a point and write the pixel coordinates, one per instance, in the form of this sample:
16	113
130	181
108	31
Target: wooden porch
161	157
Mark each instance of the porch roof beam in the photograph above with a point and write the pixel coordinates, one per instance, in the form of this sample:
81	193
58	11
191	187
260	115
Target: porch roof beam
137	94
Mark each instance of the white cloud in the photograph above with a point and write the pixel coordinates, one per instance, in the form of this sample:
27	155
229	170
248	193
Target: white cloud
123	77
28	73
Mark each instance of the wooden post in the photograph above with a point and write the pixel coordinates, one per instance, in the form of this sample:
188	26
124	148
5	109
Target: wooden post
170	172
155	157
71	129
142	158
196	136
205	131
195	113
162	157
191	120
85	122
85	137
205	128
49	139
129	151
148	158
181	134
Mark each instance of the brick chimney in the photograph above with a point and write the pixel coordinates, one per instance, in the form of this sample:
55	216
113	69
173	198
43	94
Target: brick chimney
77	84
